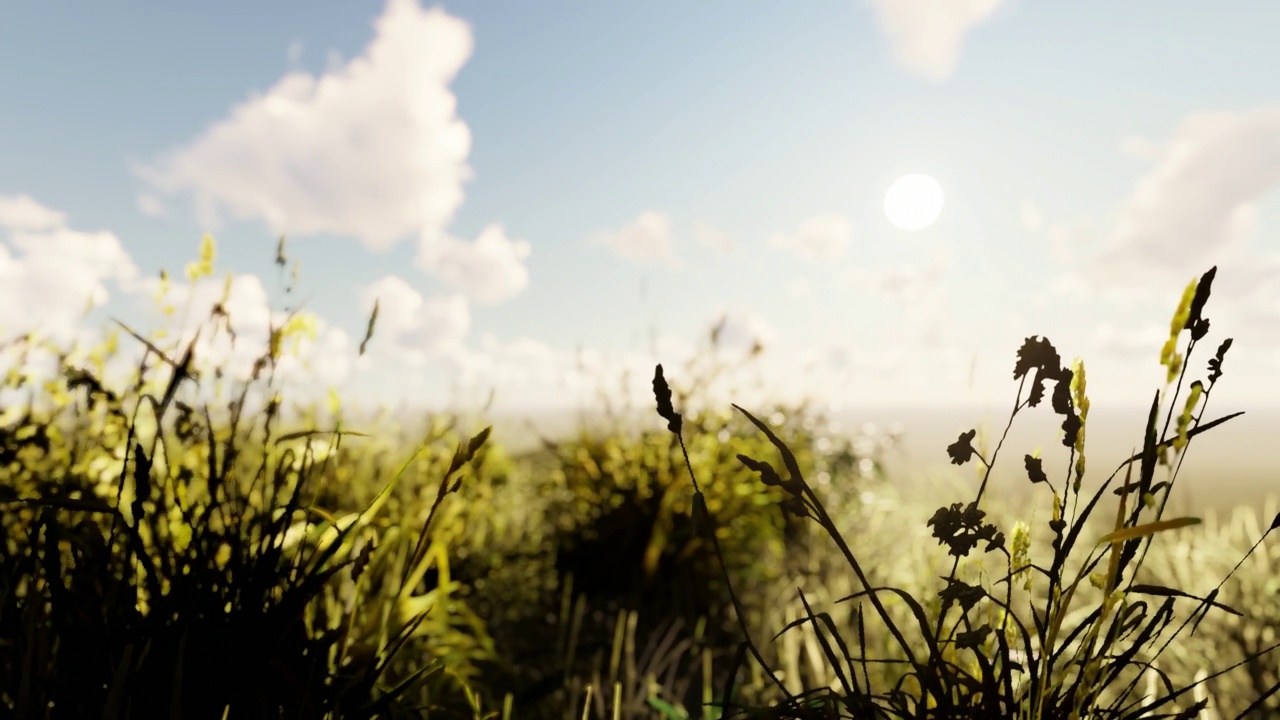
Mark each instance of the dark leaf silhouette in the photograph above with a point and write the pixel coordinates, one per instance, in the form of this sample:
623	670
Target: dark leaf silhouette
1035	471
662	392
972	639
1215	363
958	591
962	449
1197	325
1040	355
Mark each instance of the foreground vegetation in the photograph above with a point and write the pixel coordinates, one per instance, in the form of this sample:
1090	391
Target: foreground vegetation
165	557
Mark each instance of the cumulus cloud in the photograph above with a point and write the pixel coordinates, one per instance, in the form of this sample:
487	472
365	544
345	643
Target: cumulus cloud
371	149
800	288
489	270
1141	148
821	238
315	355
411	328
150	205
510	366
528	375
919	291
1131	344
22	212
1032	220
1196	205
646	238
50	274
740	331
711	237
927	35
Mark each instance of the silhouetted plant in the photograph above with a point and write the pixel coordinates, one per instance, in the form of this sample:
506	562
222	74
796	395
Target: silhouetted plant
186	585
985	660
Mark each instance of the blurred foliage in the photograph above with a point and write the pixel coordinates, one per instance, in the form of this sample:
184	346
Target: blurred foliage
160	562
146	534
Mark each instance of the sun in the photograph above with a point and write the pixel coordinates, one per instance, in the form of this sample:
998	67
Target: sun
913	201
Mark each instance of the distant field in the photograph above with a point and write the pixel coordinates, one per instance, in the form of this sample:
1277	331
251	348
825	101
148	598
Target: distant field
1224	468
1231	465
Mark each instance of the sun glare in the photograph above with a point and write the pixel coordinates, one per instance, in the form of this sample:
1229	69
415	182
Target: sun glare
913	202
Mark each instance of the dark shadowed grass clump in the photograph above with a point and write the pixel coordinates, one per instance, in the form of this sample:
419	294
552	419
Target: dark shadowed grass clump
1016	647
639	610
196	583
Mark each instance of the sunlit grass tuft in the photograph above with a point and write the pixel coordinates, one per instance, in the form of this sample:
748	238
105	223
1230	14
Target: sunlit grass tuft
968	650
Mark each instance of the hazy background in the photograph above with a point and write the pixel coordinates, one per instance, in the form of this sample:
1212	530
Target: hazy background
542	195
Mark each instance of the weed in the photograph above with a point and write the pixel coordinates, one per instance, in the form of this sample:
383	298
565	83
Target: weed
978	656
189	584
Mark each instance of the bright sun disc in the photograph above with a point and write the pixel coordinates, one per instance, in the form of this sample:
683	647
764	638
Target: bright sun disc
913	201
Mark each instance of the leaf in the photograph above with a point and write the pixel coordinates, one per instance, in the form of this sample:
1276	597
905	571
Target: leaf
788	459
476	442
1038	354
1215	363
462	455
962	449
1148	529
668	710
1174	592
1035	471
1193	322
141	474
699	509
662	393
368	331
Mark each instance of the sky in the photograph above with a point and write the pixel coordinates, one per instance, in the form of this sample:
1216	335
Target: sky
549	198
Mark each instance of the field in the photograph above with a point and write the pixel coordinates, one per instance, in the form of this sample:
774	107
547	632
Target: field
167	558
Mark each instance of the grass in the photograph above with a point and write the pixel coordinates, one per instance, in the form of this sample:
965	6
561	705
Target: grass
168	558
986	659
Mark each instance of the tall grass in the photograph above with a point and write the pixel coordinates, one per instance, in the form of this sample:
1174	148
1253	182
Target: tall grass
165	556
198	578
1086	647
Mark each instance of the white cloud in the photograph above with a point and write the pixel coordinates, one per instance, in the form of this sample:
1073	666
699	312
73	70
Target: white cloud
312	362
646	238
308	365
800	288
708	235
527	375
56	273
1141	148
150	205
739	331
1196	205
489	270
906	284
372	149
821	238
1060	244
927	35
1133	344
411	328
1032	220
21	212
921	294
510	365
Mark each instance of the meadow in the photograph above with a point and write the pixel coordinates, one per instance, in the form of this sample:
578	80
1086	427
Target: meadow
165	557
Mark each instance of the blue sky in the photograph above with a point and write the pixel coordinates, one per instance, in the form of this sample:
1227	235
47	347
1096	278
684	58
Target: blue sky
531	188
